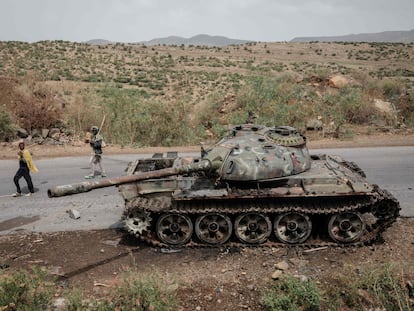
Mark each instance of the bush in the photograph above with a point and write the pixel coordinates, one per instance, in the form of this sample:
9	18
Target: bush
134	119
7	128
276	101
349	105
30	104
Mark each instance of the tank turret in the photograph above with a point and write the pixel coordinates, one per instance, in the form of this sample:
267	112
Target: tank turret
256	185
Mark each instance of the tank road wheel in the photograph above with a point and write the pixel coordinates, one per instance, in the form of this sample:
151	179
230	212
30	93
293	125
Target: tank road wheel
346	227
292	228
213	228
252	228
174	229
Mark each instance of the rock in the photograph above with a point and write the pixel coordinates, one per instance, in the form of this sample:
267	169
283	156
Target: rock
22	133
277	274
283	265
384	107
36	133
45	133
73	214
63	139
299	262
338	82
54	133
314	125
59	304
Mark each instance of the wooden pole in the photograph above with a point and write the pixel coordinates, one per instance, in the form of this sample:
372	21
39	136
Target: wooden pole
102	123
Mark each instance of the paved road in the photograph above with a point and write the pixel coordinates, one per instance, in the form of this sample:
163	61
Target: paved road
390	167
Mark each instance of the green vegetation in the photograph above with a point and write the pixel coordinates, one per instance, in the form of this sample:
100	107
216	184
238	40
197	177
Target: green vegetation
169	95
381	287
290	294
132	294
7	129
21	291
32	292
374	287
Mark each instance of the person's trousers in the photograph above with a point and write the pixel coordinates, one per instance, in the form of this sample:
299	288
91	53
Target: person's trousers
23	172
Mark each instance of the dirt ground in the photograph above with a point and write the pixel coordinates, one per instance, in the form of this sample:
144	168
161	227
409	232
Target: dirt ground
205	279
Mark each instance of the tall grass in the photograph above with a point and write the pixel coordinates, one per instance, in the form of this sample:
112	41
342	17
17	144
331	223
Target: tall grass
32	292
21	291
375	287
290	294
134	293
382	287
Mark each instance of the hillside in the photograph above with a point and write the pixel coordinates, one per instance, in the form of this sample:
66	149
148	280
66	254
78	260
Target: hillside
153	95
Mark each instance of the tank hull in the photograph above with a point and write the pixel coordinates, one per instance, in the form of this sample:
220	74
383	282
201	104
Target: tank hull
330	204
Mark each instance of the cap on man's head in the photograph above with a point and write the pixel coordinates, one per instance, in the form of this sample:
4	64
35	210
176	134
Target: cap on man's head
21	142
94	128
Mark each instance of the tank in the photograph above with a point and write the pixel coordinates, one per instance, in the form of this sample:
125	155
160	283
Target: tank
256	186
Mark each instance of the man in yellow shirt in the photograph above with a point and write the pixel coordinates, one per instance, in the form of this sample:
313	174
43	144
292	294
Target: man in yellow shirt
26	166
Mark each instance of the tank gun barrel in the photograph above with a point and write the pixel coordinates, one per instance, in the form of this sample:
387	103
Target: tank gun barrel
86	186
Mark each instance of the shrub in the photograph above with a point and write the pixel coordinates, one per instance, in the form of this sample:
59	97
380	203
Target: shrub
7	128
276	101
30	104
349	105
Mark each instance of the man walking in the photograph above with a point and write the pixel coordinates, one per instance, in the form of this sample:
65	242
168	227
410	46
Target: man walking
96	142
26	166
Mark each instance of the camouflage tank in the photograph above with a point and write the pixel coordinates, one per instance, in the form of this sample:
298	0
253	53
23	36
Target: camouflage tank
258	185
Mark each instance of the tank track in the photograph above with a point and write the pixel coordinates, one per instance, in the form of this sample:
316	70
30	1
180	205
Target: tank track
380	203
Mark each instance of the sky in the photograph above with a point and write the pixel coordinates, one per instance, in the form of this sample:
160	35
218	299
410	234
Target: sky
142	20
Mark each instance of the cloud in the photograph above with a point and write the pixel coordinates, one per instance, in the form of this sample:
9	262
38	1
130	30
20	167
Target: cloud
139	20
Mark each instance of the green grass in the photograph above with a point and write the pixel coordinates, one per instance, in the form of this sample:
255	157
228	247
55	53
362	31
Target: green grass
291	294
33	292
28	292
376	287
134	293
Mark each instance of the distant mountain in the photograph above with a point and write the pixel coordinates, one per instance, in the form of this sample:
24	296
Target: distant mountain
98	42
202	40
386	36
